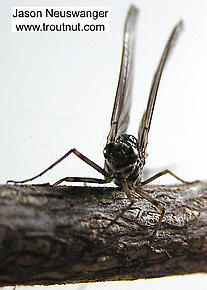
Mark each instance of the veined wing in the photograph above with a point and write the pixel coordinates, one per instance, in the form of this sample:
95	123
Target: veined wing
147	117
120	114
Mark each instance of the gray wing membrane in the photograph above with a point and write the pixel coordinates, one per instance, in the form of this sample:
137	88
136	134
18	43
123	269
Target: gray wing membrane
147	117
122	104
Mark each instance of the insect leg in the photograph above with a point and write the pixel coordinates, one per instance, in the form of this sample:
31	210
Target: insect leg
158	205
74	151
83	179
161	173
128	193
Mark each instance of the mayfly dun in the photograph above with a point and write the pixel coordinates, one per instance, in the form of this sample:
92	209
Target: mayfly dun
124	154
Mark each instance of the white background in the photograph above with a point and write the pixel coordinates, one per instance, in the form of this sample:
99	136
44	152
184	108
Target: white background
57	92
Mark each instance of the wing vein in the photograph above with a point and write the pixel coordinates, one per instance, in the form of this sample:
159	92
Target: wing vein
120	114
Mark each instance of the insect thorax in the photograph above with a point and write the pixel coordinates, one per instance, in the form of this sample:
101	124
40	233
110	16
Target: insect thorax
123	160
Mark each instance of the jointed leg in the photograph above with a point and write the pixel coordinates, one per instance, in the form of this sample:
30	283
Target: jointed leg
158	205
128	193
74	151
83	179
144	194
117	217
161	173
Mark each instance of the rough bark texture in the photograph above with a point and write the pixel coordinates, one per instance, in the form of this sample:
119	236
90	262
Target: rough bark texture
54	235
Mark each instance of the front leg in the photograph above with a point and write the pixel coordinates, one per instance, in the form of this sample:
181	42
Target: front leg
158	205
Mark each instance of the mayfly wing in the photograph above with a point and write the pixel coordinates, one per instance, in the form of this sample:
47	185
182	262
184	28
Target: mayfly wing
120	114
147	117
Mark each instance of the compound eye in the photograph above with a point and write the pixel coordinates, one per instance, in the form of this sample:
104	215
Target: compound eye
108	150
104	152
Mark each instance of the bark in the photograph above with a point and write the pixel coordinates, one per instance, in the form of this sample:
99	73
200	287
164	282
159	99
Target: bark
55	235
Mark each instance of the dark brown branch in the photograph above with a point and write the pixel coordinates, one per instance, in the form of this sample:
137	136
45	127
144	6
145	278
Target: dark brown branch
55	234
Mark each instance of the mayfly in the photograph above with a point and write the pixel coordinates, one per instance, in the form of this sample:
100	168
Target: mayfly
124	154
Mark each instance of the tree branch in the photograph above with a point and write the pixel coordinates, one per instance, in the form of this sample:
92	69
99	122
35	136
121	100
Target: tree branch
54	235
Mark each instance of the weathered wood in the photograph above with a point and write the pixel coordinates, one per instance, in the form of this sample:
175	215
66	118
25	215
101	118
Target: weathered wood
52	235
